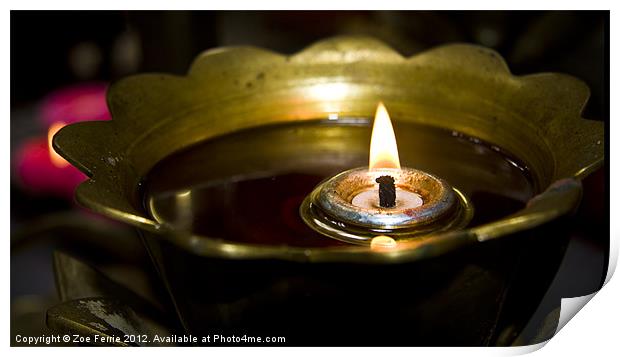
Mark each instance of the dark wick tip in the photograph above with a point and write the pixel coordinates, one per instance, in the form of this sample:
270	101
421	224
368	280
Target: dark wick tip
387	191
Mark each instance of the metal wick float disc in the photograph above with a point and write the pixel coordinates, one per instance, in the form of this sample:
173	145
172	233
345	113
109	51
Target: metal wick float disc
329	208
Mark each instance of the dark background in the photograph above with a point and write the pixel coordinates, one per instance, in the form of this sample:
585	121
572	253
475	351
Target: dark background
50	50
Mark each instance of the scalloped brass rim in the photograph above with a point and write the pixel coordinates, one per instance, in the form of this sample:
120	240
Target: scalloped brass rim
535	117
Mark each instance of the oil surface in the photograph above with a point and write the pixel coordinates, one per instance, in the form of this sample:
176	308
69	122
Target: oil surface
247	186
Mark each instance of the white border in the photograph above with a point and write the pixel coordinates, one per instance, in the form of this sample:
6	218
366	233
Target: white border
593	330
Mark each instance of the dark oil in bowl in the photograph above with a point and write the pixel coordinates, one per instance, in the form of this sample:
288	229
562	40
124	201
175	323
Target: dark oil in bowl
247	186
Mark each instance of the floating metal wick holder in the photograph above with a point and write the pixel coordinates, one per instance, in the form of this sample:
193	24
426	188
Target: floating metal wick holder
328	208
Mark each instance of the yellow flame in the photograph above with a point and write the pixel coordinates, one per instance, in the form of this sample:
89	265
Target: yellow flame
383	149
56	159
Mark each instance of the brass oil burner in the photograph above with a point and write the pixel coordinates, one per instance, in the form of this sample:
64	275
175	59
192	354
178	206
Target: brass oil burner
218	167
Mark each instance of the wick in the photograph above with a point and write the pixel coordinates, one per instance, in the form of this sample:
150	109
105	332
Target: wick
387	191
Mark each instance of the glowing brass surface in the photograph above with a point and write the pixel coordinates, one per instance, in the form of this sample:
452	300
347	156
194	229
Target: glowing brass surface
460	87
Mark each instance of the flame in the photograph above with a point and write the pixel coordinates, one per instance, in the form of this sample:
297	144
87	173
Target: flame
56	159
383	149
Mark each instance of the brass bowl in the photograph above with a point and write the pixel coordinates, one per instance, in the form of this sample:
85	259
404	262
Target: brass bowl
536	117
